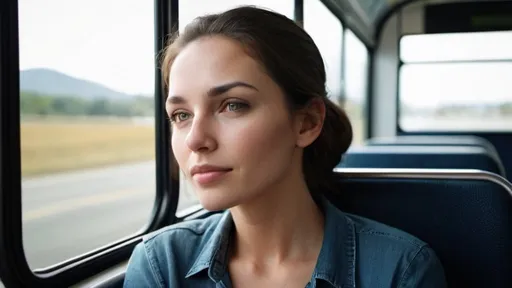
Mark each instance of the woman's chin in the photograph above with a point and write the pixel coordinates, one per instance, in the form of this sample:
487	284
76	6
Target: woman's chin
212	202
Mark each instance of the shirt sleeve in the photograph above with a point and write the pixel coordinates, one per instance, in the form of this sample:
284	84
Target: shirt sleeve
140	272
425	270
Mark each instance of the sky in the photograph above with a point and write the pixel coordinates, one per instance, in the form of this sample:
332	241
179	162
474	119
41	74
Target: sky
112	42
91	39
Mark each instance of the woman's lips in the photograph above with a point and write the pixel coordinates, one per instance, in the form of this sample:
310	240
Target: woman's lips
209	177
206	174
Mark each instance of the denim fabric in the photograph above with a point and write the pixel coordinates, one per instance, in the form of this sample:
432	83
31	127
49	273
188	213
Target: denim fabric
356	252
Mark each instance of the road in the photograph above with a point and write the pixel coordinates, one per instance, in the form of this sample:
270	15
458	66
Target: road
69	214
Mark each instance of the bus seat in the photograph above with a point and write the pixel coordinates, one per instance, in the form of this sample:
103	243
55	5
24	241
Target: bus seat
424	157
453	140
464	215
456	140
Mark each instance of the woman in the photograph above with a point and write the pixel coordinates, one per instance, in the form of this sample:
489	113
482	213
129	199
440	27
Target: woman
254	132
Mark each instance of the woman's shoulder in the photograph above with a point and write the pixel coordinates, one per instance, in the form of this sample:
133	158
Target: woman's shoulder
167	255
371	229
190	229
395	254
184	240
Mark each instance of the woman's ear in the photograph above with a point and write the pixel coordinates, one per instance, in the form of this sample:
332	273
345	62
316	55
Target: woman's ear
310	121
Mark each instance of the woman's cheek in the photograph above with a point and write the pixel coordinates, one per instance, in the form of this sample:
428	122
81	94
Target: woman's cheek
178	146
257	137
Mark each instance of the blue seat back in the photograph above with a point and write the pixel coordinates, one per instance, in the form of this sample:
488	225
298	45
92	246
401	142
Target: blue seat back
422	157
464	215
466	140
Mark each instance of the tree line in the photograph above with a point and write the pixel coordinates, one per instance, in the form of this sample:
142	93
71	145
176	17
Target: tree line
41	105
502	109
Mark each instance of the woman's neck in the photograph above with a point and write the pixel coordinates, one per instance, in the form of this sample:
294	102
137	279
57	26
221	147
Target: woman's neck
281	226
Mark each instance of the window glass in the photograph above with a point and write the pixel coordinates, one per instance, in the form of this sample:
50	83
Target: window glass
471	94
456	47
326	30
87	124
356	84
330	43
188	11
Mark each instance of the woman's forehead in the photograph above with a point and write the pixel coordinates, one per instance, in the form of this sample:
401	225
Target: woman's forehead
210	61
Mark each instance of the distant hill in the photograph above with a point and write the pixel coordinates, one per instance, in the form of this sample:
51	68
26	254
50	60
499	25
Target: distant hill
50	82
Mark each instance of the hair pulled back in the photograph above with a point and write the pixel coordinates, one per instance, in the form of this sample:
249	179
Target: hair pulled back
294	62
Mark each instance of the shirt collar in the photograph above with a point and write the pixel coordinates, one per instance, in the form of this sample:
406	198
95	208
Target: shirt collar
336	261
213	255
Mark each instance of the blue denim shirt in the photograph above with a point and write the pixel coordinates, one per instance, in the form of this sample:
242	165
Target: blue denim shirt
356	252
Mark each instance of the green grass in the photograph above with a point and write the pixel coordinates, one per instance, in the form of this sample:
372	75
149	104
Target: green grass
56	145
357	130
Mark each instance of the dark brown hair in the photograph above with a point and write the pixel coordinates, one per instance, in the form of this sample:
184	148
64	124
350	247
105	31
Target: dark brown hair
293	61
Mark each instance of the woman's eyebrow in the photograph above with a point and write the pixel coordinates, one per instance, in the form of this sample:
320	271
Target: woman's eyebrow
212	92
228	86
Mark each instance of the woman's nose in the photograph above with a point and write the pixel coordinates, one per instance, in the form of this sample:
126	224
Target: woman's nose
200	137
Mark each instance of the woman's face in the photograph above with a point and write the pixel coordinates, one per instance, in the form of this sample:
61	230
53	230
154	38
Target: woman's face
232	134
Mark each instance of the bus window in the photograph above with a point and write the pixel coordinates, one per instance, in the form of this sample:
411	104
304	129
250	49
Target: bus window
456	82
190	9
87	124
351	97
316	18
356	84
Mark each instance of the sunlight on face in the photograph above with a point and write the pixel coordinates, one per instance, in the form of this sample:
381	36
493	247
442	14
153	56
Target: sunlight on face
232	135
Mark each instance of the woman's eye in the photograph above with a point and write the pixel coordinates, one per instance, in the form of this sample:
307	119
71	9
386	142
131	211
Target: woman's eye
235	106
179	116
